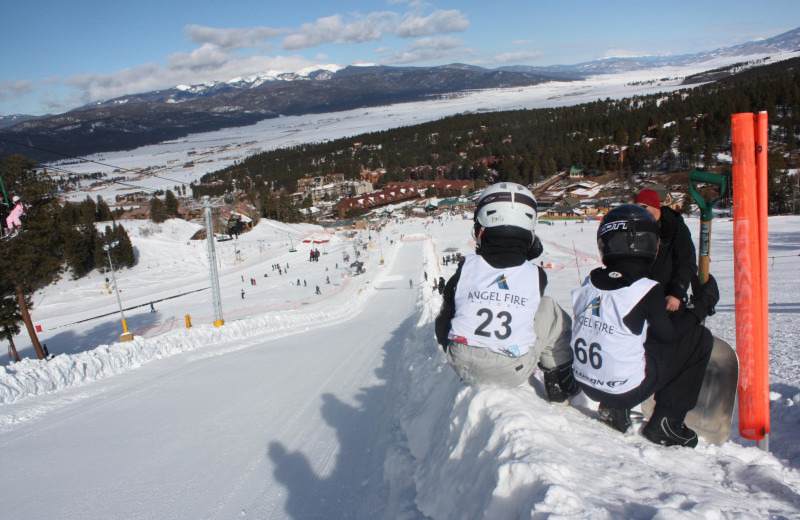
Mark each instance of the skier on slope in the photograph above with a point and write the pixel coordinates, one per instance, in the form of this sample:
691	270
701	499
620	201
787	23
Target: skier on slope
627	347
494	323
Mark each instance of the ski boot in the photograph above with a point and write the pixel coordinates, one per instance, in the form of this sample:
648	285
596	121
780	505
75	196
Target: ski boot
560	384
669	432
617	418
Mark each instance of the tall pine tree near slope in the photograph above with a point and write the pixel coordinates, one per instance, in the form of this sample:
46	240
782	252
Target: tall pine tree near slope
171	204
158	211
32	259
122	255
77	231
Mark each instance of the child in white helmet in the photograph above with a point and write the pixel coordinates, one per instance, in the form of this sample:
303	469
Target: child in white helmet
495	323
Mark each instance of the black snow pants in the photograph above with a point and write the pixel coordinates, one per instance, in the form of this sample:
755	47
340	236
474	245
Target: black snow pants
674	373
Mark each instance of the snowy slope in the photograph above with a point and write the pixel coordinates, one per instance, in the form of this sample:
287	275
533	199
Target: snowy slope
341	405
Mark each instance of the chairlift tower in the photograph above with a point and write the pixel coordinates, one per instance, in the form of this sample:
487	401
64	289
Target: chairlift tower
211	252
125	336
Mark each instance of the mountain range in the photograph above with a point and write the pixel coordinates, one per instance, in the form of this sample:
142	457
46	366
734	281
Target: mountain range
146	118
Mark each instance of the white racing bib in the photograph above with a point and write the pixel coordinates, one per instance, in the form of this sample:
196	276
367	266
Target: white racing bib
495	307
608	356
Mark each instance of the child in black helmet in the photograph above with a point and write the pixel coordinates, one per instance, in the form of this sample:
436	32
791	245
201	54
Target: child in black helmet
627	347
495	323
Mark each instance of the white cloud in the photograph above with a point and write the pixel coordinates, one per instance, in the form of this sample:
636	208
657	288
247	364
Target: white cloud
229	39
14	89
429	49
333	29
373	27
208	57
438	22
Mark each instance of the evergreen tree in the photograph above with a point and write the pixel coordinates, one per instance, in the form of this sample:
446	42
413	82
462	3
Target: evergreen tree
171	204
126	257
79	247
103	211
158	212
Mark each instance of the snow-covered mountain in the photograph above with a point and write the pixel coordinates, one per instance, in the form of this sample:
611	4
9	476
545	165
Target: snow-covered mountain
782	43
183	93
13	119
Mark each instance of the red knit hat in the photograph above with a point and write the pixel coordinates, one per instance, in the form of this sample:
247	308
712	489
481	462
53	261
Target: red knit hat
648	197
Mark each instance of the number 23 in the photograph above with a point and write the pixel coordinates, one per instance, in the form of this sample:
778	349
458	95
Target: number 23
505	316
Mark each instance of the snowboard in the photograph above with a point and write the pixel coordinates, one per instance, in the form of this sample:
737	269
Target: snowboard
712	416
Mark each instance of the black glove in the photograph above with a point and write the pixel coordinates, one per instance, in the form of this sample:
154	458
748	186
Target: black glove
704	297
535	250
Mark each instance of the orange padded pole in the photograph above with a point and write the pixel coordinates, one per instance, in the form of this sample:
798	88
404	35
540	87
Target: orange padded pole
749	226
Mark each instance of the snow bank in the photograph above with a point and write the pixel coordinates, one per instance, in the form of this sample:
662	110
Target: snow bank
32	377
487	452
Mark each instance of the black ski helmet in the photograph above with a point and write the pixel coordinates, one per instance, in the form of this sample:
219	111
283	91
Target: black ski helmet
628	231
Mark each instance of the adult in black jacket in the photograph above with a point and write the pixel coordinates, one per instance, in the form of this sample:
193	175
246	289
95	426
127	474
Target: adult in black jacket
676	262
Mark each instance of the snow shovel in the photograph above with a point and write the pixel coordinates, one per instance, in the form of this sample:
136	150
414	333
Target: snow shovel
712	416
706	214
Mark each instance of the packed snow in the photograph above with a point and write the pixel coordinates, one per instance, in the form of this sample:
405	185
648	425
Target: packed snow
341	404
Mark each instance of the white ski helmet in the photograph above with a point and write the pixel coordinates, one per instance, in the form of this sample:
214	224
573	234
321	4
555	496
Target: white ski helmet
506	204
15	198
505	209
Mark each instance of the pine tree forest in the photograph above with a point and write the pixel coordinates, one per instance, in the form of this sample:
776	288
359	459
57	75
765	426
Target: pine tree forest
666	133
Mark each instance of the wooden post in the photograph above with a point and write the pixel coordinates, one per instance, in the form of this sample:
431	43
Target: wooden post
26	317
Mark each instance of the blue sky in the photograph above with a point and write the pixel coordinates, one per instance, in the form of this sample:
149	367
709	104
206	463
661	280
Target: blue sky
56	55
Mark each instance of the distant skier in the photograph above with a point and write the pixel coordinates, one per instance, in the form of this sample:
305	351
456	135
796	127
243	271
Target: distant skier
243	294
495	323
627	347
